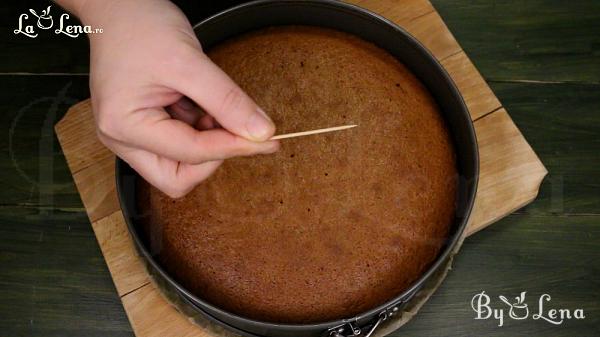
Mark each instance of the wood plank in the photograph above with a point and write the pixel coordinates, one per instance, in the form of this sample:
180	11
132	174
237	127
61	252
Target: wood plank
420	20
32	168
120	255
561	123
80	154
400	12
432	32
97	188
425	24
52	272
475	91
510	171
540	254
534	40
152	316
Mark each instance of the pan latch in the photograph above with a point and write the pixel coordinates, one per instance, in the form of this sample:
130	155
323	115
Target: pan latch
346	330
350	330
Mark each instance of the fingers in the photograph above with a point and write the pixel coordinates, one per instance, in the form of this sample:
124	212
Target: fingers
207	122
155	131
173	178
187	111
206	84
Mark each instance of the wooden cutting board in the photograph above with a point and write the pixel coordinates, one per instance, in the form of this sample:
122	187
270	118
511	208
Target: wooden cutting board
510	177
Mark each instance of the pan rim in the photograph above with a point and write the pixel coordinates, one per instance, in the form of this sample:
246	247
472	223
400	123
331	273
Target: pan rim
450	243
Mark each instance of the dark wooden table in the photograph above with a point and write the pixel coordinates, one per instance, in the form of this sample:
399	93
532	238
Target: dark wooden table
541	57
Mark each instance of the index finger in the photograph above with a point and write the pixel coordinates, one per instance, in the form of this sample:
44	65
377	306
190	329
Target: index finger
210	87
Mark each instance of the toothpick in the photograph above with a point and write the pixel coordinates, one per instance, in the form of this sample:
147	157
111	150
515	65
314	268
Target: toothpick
312	132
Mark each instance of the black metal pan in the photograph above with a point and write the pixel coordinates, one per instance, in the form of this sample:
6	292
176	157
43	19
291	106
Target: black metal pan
385	34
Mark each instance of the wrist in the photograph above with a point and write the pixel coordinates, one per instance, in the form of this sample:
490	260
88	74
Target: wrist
109	15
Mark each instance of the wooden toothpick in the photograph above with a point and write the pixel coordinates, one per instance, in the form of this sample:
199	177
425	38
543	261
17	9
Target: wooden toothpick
312	132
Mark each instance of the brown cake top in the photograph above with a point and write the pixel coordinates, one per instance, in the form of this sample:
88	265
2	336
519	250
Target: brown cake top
334	224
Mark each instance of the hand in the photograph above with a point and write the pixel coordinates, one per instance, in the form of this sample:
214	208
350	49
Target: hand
143	66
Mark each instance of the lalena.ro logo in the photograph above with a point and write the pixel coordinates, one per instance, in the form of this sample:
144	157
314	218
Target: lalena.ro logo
519	309
29	26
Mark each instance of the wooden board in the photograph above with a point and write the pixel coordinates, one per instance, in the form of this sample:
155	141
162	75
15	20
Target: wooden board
510	175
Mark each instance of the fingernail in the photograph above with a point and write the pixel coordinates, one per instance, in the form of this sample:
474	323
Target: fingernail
185	104
259	125
262	112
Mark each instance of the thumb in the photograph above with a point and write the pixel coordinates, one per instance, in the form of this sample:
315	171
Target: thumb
212	89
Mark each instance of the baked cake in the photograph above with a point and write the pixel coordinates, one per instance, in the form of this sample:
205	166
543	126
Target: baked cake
334	224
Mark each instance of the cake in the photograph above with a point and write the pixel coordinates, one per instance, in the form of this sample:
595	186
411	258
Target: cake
333	224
